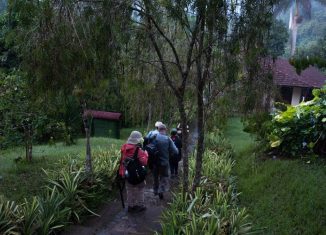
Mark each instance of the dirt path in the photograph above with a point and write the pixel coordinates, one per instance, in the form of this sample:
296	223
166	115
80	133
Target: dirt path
114	220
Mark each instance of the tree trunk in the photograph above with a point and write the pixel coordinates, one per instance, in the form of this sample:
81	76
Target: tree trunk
201	134
149	120
88	160
185	143
28	144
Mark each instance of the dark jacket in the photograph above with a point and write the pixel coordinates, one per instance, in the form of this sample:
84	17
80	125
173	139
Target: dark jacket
178	143
166	148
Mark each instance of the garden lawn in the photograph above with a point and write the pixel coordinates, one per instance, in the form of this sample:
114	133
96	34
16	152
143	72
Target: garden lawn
282	196
22	179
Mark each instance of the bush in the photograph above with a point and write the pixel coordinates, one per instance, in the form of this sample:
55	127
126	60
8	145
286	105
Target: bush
212	208
257	124
301	129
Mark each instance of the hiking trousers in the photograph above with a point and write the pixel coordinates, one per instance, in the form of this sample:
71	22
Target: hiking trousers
135	194
174	165
161	179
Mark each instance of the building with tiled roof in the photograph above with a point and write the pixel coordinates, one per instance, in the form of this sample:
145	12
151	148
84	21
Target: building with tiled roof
294	87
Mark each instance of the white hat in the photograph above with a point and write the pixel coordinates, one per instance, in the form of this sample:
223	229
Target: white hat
135	138
158	123
161	127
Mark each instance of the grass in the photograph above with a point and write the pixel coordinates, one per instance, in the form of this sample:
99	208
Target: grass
282	196
22	179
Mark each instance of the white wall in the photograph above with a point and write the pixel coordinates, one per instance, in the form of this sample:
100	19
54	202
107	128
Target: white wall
296	96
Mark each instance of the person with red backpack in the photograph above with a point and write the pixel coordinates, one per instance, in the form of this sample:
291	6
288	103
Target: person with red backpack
132	168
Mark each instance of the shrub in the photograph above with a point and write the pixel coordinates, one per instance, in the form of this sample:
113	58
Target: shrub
8	218
71	185
301	129
29	213
53	214
259	125
212	208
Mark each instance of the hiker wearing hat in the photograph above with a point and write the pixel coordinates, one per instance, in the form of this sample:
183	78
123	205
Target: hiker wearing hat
175	158
135	193
161	167
152	133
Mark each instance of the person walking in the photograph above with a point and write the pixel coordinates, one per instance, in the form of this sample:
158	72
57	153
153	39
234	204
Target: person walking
175	158
165	147
135	193
152	133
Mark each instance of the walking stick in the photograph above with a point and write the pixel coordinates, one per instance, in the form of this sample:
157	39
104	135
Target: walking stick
121	183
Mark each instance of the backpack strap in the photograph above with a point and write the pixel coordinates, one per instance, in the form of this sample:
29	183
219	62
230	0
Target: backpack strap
135	156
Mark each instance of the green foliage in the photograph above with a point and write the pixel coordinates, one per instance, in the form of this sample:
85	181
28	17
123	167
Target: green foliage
66	197
212	208
52	213
300	129
29	211
257	124
277	39
283	196
8	217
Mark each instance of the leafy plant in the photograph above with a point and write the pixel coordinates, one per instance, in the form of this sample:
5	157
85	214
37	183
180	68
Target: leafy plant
300	130
212	208
53	214
70	184
8	218
29	216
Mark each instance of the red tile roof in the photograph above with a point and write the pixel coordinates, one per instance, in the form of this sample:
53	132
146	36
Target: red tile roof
286	75
103	115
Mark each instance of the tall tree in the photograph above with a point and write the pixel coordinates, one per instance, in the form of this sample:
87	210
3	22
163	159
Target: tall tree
69	46
299	9
208	28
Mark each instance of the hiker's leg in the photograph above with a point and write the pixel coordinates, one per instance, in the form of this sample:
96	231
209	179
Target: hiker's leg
164	179
155	178
176	166
139	194
172	167
131	191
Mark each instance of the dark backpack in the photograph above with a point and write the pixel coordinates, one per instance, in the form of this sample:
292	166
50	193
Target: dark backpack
153	152
135	171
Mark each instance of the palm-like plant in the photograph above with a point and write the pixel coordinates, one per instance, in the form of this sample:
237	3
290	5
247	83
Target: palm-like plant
300	9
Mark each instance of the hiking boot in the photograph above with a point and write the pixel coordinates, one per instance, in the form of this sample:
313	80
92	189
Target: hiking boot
139	208
131	208
160	195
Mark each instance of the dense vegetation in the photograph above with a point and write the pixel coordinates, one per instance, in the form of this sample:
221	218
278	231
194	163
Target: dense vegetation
63	197
192	62
312	28
295	131
282	196
213	207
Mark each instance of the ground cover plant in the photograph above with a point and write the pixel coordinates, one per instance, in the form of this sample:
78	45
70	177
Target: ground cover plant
20	179
213	207
63	195
282	196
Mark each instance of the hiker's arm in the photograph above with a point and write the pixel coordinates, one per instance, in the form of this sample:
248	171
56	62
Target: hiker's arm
121	168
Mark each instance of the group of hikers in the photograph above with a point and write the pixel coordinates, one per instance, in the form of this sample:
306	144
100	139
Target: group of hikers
157	152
